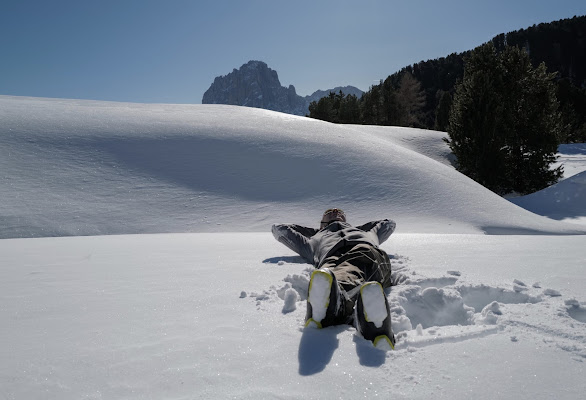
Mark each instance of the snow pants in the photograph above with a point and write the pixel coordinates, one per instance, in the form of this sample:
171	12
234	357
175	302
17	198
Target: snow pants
358	264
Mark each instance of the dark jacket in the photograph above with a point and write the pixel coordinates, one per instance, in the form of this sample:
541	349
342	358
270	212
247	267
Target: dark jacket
316	245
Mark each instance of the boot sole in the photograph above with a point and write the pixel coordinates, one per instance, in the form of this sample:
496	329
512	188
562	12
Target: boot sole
383	342
320	286
373	303
374	310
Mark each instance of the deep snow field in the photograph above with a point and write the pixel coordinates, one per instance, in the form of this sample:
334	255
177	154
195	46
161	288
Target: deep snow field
136	260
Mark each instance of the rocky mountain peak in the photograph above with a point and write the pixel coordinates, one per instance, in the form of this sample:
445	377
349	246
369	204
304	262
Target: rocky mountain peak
254	84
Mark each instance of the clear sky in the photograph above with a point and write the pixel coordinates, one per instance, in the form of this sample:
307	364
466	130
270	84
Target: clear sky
170	51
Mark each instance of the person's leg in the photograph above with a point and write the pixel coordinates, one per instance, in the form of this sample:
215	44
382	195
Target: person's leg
362	263
327	302
334	287
372	317
363	272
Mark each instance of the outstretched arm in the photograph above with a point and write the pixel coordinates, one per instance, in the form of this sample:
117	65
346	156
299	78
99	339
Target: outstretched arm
383	228
295	237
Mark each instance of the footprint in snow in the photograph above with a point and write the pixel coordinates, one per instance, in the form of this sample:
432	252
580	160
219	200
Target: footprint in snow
576	310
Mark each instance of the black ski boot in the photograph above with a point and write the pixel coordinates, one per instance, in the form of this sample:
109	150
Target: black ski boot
372	316
327	302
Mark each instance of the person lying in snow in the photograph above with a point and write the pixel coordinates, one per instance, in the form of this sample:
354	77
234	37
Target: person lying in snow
352	271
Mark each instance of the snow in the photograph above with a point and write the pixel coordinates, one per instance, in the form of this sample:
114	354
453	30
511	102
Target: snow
565	201
290	299
74	168
184	293
572	157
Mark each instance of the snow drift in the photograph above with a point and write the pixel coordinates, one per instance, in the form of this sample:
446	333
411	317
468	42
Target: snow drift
565	200
87	168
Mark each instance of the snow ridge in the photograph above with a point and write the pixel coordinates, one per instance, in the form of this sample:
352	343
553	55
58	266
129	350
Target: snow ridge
95	168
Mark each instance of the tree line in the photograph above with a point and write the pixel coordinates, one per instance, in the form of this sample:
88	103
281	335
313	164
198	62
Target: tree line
561	45
506	105
384	104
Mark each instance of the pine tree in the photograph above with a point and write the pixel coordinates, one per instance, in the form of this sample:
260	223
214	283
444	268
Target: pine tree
349	112
536	127
474	128
411	100
442	113
371	106
336	108
390	109
323	108
504	123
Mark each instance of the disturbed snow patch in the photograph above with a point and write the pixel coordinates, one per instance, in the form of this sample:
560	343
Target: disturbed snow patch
432	307
438	302
445	309
576	310
290	297
292	291
428	311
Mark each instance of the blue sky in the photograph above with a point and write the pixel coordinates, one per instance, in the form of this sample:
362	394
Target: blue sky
170	51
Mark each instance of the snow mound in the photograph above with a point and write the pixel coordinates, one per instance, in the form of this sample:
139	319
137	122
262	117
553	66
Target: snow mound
73	167
565	200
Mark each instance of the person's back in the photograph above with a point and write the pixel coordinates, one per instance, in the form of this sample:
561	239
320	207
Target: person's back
316	245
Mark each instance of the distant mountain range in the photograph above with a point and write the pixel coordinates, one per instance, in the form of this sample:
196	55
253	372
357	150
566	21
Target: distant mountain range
257	85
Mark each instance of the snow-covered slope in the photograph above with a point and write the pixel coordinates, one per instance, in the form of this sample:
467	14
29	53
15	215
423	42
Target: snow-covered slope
573	158
565	200
87	168
219	313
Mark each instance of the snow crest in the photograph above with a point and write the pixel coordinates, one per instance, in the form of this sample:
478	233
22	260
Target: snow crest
73	167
